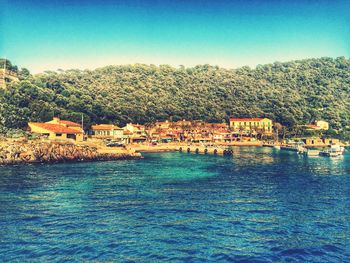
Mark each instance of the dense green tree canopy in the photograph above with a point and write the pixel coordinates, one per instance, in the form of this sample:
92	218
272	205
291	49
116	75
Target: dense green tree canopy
6	64
291	93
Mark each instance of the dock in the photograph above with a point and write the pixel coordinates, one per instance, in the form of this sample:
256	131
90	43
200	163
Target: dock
206	150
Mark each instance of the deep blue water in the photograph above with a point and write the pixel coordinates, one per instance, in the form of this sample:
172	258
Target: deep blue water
260	205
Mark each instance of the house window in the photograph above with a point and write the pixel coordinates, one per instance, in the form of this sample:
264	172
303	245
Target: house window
58	134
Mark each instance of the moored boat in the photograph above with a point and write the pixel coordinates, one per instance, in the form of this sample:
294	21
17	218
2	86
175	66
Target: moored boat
312	152
327	153
271	145
294	147
334	151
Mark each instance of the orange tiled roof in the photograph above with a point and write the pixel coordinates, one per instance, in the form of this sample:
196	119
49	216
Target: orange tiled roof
127	132
138	125
219	125
56	128
103	127
69	123
312	126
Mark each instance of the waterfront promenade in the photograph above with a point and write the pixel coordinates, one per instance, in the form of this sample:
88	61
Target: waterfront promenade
168	147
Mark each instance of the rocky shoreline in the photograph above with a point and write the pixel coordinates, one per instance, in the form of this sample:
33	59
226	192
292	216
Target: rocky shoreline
56	152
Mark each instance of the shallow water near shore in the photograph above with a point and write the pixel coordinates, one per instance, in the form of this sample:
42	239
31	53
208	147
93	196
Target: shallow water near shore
258	205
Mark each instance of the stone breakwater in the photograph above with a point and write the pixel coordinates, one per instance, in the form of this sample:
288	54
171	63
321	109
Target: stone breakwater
55	152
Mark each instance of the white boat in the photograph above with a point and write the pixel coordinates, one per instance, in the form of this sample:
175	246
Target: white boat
328	153
278	147
294	147
311	152
334	151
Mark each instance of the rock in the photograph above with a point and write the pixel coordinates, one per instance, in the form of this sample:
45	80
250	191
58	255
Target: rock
53	152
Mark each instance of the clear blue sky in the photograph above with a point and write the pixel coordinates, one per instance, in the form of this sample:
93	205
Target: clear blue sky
52	34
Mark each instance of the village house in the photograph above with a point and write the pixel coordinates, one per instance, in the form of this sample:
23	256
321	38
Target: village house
182	124
318	125
164	131
219	136
169	124
127	136
162	124
252	125
135	133
136	128
107	131
58	129
185	130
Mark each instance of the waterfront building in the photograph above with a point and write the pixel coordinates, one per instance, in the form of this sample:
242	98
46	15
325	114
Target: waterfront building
222	137
57	129
135	133
201	131
251	125
107	131
127	135
136	128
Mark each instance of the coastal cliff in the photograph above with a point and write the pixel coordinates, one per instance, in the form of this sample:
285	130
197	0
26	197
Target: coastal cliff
22	152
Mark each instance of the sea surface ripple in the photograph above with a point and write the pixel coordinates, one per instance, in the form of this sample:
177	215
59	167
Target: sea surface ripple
261	205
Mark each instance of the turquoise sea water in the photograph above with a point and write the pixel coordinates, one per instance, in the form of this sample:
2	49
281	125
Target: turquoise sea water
260	205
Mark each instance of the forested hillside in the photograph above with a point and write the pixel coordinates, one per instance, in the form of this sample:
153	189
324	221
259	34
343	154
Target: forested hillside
291	93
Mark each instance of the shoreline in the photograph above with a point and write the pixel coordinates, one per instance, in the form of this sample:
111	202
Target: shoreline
117	158
17	152
49	152
173	147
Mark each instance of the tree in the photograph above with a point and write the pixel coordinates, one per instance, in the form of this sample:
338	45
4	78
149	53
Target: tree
23	74
292	93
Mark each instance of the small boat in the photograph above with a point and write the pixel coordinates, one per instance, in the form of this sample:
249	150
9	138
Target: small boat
293	147
310	152
334	151
272	145
328	153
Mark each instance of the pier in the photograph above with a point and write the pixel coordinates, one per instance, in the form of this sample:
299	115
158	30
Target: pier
184	148
205	150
